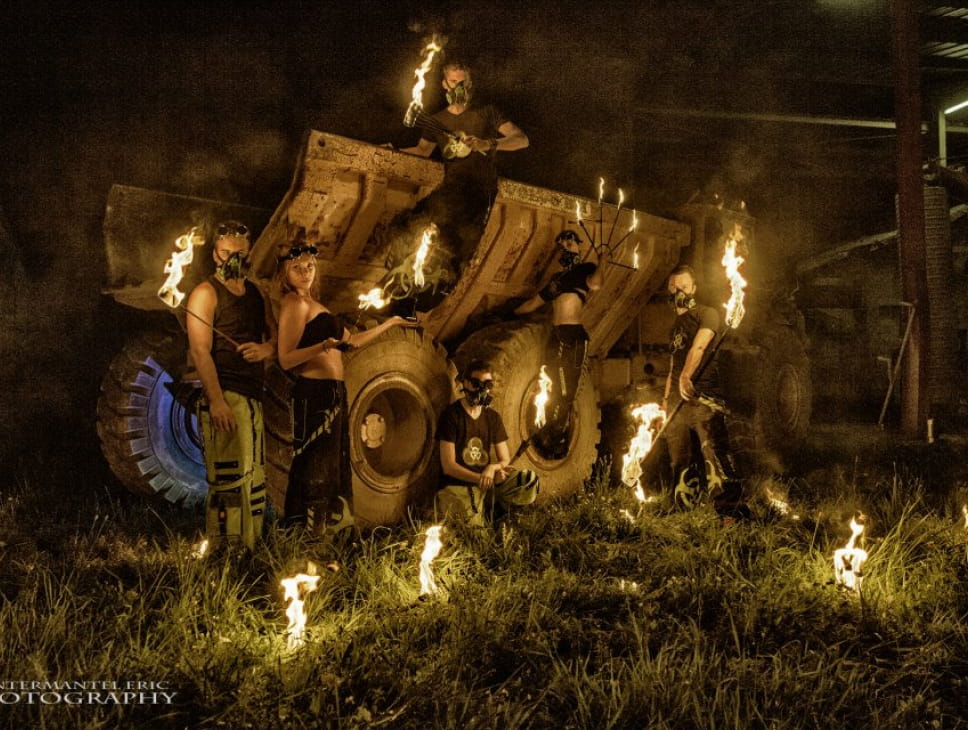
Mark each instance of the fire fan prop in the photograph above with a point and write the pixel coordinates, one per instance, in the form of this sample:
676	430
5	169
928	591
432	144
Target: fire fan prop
849	560
297	588
432	545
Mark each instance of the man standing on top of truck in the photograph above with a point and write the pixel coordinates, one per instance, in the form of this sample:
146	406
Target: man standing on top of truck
227	306
697	383
565	355
469	137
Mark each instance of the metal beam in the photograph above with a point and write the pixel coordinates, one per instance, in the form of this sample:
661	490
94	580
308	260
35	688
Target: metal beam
792	119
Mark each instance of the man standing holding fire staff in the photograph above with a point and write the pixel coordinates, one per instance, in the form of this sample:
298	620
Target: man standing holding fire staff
693	378
469	137
229	355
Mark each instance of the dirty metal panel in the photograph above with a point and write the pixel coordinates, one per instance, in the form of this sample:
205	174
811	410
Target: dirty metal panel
140	228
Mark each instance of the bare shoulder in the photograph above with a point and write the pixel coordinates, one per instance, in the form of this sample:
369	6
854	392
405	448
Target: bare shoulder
203	292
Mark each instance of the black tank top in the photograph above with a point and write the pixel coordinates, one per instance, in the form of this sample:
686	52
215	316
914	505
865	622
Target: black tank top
243	319
321	327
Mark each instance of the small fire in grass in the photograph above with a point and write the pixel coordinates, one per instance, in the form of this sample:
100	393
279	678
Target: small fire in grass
375	298
650	417
731	262
541	398
849	560
199	550
296	589
432	545
175	267
429	234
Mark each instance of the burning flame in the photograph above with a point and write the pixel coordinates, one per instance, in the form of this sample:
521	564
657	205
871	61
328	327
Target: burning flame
635	256
432	545
199	550
373	298
621	197
635	224
416	103
297	587
541	398
735	311
421	257
964	511
578	211
650	417
175	267
849	560
601	189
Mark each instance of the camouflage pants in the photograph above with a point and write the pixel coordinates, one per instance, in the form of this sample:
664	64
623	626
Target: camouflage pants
722	482
470	504
235	471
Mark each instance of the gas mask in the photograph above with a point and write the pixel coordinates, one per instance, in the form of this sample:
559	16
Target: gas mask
567	258
460	94
481	393
681	300
234	267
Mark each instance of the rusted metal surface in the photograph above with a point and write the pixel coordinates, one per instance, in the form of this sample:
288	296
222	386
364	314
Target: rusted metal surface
140	228
345	193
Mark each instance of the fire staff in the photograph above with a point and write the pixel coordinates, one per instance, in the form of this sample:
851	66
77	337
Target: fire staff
693	378
567	348
230	411
311	344
469	137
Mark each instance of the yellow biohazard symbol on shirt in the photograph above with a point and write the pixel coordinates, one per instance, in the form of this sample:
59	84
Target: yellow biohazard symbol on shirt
475	454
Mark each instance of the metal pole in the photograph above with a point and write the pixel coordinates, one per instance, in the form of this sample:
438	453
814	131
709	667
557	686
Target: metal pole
892	376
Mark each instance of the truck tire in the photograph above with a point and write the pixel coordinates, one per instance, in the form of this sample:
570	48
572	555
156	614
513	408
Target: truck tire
515	351
397	386
148	436
762	440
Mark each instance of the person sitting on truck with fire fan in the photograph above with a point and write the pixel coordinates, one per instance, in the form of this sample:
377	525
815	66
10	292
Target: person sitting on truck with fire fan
693	378
567	348
469	137
311	344
471	435
230	338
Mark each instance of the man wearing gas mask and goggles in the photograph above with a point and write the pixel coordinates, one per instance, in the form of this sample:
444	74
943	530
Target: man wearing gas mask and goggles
469	137
567	348
231	337
474	455
693	378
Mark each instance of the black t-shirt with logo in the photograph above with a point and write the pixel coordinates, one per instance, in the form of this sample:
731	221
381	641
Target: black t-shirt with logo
472	437
482	122
683	333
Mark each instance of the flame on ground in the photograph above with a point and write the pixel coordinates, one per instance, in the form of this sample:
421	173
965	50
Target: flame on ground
200	549
735	311
296	588
849	560
432	545
416	103
175	266
374	298
541	398
650	417
430	232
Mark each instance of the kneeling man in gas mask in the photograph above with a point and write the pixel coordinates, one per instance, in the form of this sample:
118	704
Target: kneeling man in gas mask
474	455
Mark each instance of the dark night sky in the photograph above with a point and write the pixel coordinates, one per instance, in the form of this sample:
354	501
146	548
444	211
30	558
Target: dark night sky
212	99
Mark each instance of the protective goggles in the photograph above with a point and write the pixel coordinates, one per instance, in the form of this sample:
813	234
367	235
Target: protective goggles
231	228
481	384
296	251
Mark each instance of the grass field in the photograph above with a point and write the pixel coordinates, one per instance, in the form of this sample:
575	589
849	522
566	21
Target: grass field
570	616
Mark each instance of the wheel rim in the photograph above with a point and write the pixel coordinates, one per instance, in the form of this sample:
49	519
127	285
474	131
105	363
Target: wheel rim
388	460
788	397
173	434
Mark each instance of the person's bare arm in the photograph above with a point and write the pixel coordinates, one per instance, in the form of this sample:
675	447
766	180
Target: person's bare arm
595	279
535	302
201	302
423	148
511	139
699	344
292	322
362	338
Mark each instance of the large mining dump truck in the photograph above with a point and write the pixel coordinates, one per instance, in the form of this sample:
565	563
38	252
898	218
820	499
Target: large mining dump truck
343	194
